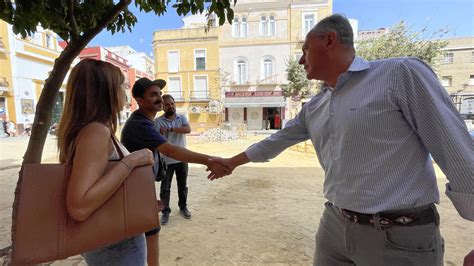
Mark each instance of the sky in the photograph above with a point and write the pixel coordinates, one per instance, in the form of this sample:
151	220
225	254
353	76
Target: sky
456	15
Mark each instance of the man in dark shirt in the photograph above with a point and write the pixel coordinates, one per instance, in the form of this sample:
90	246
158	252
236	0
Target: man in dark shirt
139	132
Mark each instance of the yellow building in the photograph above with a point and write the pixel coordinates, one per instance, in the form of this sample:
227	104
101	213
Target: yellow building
188	59
245	63
25	65
7	104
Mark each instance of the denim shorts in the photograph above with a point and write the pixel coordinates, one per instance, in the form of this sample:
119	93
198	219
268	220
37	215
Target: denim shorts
127	252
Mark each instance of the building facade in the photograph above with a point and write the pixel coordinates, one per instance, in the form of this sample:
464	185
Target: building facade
254	50
25	65
245	62
456	73
188	59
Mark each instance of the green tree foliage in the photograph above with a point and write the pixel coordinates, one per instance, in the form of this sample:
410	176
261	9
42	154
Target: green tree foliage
78	22
399	41
298	86
402	41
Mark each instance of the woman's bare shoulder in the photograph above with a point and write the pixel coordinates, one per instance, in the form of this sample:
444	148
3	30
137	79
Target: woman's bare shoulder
94	132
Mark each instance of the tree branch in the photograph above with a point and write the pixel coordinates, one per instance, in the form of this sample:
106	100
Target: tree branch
111	15
72	19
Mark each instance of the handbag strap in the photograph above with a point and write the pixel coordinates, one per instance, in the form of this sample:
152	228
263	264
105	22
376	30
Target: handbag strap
117	147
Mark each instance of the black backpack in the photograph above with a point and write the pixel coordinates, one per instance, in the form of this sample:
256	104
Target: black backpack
161	173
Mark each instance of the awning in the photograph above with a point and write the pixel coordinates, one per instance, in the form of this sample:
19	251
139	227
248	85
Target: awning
240	102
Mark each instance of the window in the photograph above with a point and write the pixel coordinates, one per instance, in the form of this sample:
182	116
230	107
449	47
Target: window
200	59
240	27
271	23
471	80
472	57
173	61
263	26
308	22
212	20
447	81
174	87
243	27
48	40
200	87
241	71
267	68
448	58
236	27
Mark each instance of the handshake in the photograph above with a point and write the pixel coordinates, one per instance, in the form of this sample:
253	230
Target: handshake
221	167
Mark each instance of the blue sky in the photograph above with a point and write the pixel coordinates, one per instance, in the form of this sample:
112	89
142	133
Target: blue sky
457	15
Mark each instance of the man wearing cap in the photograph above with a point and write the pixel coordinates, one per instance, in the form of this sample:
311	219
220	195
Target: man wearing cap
139	132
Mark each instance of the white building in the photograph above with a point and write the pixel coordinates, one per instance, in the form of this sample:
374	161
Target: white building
137	60
254	51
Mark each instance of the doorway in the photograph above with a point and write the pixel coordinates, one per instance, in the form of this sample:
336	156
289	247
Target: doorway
272	118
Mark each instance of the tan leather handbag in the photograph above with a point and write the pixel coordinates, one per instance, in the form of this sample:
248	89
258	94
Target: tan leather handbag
43	231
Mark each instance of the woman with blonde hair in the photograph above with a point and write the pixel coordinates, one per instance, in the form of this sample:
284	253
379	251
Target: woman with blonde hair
86	137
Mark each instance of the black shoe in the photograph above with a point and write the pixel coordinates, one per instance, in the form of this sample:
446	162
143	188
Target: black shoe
185	213
164	218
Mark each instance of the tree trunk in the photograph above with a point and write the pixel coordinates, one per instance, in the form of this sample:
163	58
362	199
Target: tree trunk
44	108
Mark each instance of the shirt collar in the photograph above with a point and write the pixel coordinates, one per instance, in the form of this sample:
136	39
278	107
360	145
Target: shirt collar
358	64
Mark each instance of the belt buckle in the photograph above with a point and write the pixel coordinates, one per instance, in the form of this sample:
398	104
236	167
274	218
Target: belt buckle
404	220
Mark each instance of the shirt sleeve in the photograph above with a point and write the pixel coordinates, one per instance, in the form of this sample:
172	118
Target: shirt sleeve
294	132
158	123
184	121
140	134
433	116
150	136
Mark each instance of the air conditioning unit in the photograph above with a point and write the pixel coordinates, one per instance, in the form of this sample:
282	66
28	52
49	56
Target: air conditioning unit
213	110
195	109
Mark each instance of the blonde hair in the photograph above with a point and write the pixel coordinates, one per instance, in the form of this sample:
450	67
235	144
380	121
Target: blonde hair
93	94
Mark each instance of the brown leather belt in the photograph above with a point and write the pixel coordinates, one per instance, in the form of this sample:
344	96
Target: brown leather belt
383	220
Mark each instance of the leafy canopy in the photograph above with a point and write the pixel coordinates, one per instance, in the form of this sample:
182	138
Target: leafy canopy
403	41
298	85
70	19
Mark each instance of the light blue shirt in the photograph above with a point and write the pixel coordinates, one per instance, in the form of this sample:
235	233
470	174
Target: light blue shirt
178	139
373	134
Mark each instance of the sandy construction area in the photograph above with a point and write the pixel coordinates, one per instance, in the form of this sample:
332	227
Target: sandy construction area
262	214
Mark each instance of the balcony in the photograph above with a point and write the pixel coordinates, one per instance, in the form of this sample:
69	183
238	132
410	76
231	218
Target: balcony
195	96
268	81
199	96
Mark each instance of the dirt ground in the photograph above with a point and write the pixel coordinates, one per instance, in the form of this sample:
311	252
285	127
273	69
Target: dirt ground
262	214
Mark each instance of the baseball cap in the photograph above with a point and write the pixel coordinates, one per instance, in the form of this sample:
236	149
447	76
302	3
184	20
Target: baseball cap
142	84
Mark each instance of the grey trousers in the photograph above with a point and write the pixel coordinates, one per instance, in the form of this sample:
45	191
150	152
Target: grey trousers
342	242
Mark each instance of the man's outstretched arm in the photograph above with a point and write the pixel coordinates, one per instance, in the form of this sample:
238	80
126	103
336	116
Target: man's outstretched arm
230	163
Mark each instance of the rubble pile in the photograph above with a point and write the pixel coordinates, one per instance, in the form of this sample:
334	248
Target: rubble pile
217	134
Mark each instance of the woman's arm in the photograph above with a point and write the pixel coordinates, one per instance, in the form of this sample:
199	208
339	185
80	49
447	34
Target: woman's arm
89	185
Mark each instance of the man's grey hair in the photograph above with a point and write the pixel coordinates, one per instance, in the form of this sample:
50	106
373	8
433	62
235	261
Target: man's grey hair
339	24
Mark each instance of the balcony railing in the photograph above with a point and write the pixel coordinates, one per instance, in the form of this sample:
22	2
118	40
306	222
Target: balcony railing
199	96
195	96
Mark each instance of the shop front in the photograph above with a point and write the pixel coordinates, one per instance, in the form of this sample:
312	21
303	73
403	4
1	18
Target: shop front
259	110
